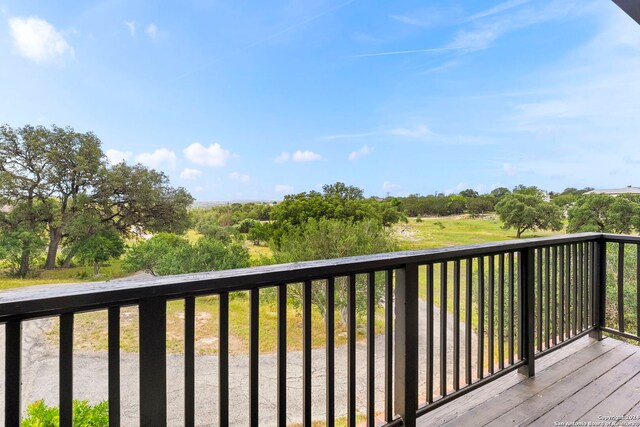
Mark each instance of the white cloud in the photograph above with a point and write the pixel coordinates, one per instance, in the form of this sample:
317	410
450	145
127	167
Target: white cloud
189	173
389	186
283	157
363	151
509	169
298	156
420	131
152	31
158	158
116	156
132	28
214	155
283	189
241	178
305	156
38	40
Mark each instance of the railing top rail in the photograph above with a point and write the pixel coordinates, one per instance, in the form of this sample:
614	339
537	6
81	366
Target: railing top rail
621	238
36	301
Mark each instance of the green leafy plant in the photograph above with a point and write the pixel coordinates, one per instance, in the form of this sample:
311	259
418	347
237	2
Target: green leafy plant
84	414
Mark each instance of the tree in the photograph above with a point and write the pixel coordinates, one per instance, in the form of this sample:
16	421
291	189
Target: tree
76	161
325	239
603	213
339	201
500	192
481	205
58	180
524	212
469	193
99	248
24	189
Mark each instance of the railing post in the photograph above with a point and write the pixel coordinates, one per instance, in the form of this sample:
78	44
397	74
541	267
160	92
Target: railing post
527	301
599	280
406	346
153	362
12	373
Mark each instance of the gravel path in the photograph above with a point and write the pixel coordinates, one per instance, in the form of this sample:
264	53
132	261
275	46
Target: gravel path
40	378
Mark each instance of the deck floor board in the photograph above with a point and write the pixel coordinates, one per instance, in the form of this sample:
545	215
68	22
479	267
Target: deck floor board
579	382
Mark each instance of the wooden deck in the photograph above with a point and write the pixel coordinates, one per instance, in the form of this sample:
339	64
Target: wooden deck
587	381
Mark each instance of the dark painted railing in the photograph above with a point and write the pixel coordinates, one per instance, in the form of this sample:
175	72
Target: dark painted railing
464	316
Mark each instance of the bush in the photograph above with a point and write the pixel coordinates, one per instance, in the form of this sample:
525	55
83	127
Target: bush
84	415
167	254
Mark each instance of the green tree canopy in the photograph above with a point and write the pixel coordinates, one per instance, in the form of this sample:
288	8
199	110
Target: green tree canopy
338	201
523	211
166	254
605	214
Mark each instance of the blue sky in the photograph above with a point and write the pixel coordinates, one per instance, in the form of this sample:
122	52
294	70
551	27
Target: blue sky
253	100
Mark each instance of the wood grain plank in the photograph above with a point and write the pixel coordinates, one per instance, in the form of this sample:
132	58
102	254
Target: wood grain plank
543	398
476	398
576	406
505	401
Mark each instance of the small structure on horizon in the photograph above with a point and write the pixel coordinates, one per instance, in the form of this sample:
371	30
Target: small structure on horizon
617	191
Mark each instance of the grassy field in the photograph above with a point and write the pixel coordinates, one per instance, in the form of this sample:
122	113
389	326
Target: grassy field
416	234
438	232
67	275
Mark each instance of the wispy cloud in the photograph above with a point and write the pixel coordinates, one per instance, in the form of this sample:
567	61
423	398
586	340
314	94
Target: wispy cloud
131	26
502	7
588	120
152	31
239	177
349	136
283	189
361	152
419	131
283	157
485	27
390	187
38	40
297	25
404	52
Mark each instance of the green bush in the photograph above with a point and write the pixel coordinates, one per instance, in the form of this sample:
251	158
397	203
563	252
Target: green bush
84	415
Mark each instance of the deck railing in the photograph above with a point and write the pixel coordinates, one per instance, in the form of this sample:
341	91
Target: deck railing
499	307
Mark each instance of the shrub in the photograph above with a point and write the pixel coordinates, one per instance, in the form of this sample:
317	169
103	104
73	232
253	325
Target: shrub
84	415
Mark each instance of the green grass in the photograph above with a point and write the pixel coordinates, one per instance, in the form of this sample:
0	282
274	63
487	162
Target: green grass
112	270
453	231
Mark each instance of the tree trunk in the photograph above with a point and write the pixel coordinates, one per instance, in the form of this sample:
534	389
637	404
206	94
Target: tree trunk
55	236
69	258
518	233
24	263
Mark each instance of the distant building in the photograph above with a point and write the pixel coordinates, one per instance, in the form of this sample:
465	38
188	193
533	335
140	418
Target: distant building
617	191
